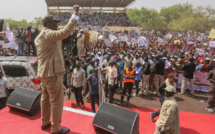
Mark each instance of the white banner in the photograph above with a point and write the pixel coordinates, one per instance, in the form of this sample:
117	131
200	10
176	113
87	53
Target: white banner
212	44
133	40
123	38
189	43
200	51
141	40
112	37
161	41
107	42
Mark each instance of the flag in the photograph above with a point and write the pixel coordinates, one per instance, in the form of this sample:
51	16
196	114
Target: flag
212	33
8	33
12	39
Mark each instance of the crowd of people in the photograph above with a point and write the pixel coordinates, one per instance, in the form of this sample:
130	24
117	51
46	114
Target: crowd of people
141	50
23	44
96	19
125	64
125	59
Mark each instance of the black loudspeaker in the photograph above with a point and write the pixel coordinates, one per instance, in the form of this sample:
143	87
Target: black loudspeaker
113	119
24	100
1	25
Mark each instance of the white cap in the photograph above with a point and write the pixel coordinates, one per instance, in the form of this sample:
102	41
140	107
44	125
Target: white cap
207	58
99	53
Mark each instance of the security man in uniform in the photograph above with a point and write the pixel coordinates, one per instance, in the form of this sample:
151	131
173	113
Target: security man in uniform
128	82
168	122
211	98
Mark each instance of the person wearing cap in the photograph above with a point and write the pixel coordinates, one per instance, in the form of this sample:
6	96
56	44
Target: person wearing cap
77	83
189	69
146	76
158	71
92	56
168	121
100	57
128	83
208	65
170	81
51	67
80	42
211	99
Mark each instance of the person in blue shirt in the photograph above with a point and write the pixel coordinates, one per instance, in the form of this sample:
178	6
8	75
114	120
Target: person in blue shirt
94	88
138	72
121	67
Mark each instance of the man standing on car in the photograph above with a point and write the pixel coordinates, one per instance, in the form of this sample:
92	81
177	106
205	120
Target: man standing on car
51	68
3	90
30	42
20	35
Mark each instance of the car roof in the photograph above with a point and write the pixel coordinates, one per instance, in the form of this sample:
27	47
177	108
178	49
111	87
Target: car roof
15	58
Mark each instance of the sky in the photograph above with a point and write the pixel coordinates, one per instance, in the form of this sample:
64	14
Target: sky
29	9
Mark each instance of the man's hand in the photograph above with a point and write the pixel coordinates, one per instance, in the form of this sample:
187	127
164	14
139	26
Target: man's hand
76	9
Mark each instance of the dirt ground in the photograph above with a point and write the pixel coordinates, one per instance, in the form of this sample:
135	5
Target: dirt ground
186	103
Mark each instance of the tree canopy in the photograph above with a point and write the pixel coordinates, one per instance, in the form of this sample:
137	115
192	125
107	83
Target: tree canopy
14	24
179	17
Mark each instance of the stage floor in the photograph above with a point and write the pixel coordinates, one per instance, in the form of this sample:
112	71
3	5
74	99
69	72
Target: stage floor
80	122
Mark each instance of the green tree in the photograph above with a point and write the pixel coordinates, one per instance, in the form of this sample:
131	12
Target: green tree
146	18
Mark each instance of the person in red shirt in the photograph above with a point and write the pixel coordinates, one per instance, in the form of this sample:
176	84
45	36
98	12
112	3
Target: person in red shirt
30	41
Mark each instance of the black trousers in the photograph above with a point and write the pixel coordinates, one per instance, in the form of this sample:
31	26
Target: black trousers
78	95
3	102
111	93
128	86
31	43
93	98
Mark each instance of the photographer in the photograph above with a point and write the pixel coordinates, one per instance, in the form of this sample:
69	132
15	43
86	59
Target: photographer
20	35
30	41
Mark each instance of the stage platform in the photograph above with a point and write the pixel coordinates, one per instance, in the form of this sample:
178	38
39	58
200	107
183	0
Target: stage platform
80	122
